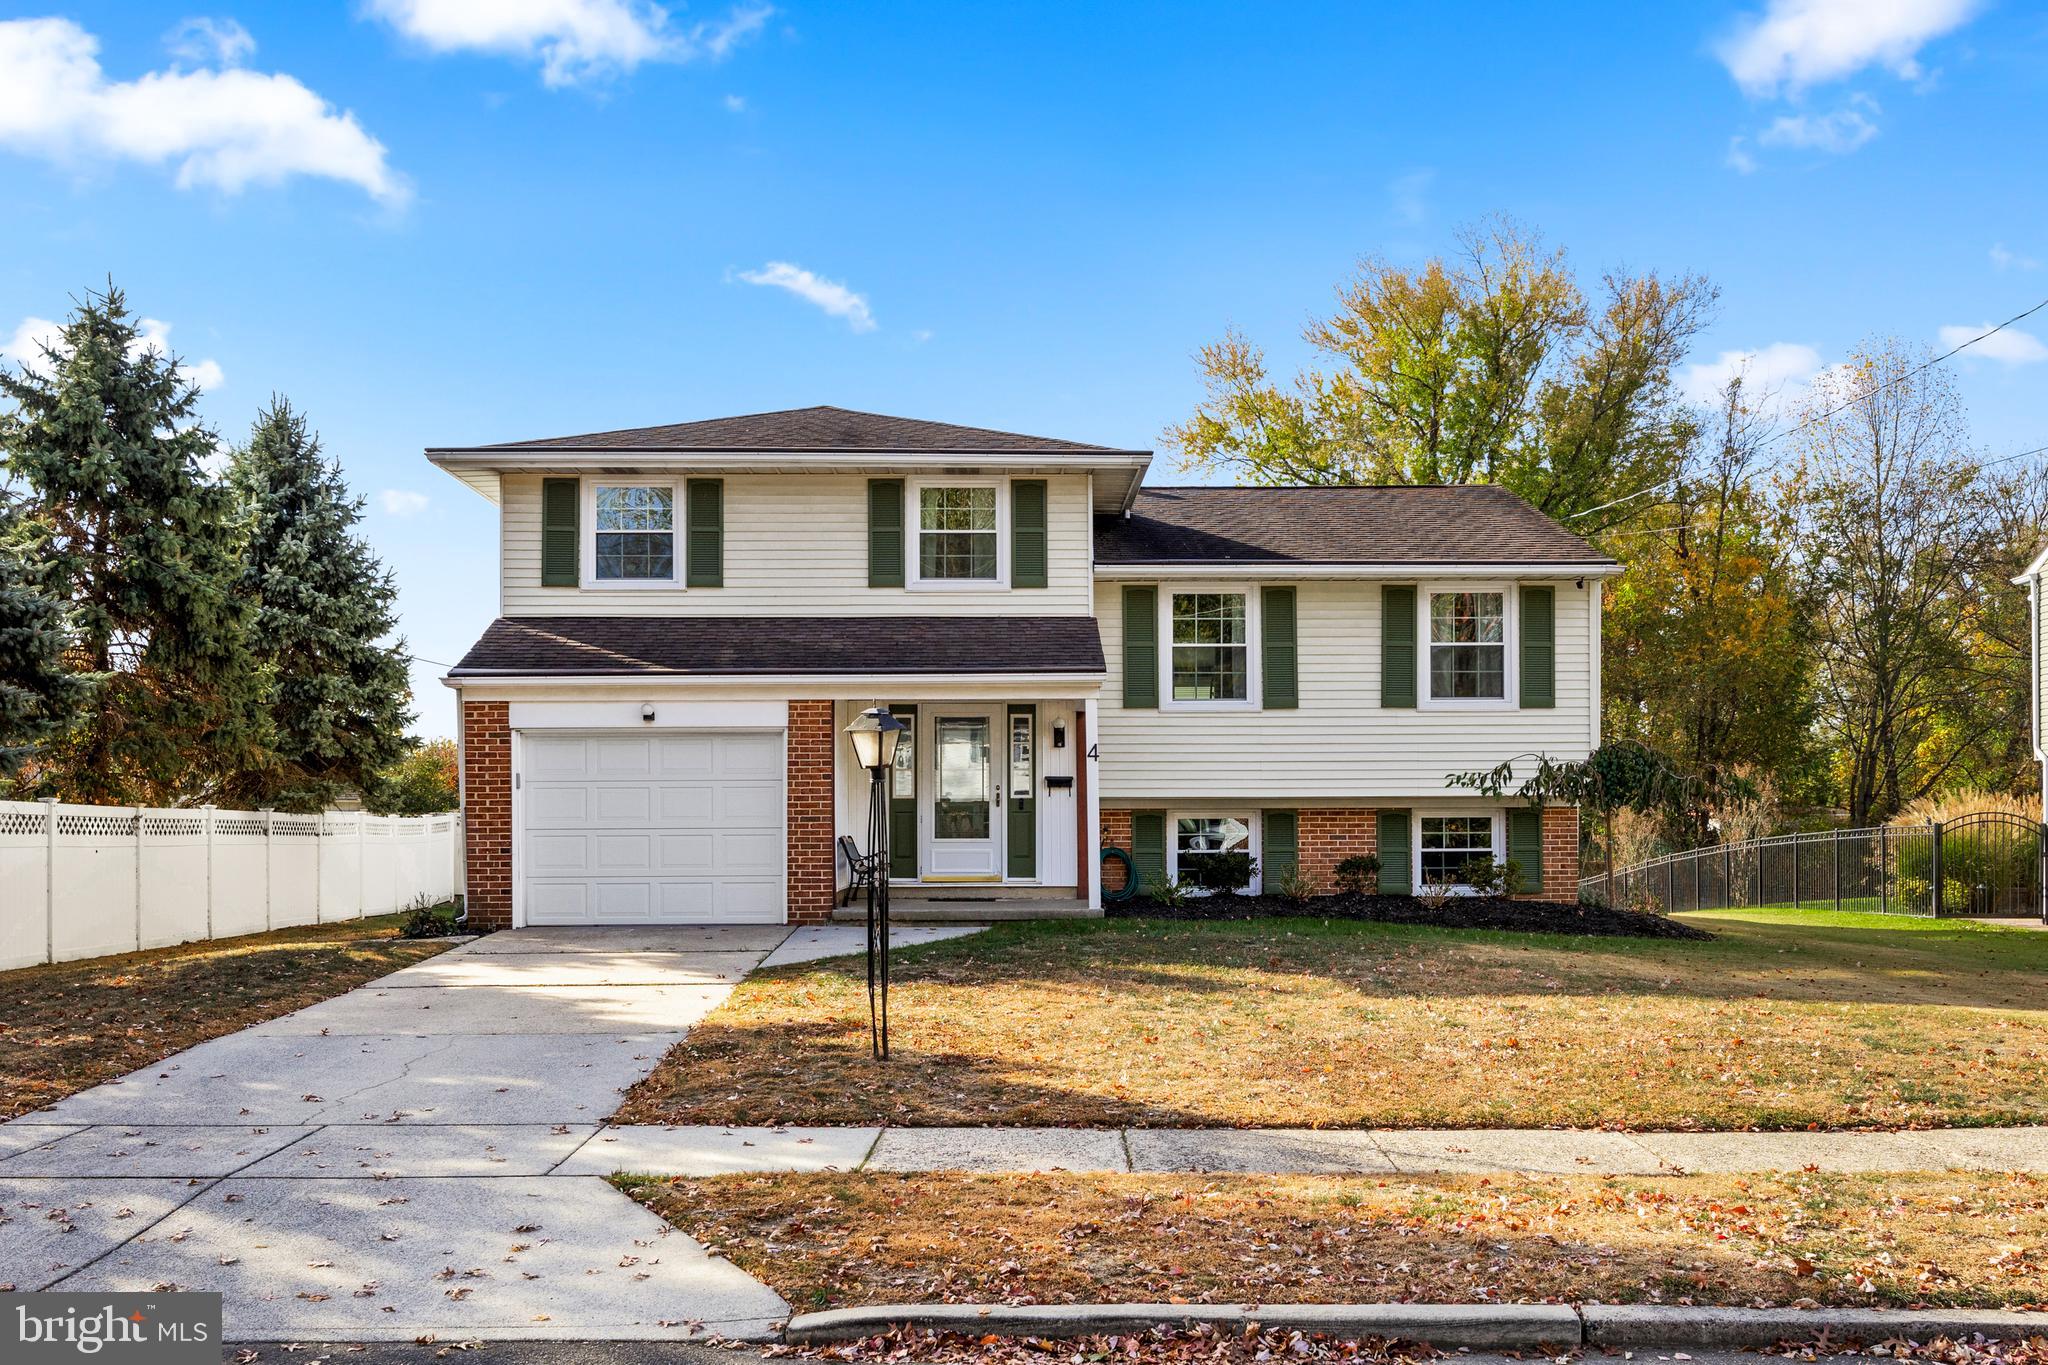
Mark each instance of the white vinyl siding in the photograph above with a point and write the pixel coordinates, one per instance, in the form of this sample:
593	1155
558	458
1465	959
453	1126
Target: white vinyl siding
797	545
1338	744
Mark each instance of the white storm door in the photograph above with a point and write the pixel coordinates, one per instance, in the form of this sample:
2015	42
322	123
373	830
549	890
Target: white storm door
670	828
966	841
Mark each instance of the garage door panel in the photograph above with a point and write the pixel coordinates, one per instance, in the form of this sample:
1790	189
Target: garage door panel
629	828
757	804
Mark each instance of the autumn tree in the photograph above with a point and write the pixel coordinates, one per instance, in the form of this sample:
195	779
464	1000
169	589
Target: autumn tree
1489	367
125	530
1895	512
1704	653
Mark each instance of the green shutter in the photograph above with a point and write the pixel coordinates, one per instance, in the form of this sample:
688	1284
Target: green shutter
1525	844
1141	648
1539	647
704	520
1279	672
1023	816
561	549
1148	848
1395	878
885	533
1397	646
903	806
1027	533
1279	848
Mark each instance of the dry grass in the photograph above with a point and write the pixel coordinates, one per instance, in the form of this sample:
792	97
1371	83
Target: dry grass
1787	1020
838	1240
70	1026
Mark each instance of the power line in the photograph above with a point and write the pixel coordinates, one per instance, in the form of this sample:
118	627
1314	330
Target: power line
1841	407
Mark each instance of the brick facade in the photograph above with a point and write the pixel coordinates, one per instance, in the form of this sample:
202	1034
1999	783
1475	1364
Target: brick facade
1560	853
1116	833
813	874
487	812
1327	837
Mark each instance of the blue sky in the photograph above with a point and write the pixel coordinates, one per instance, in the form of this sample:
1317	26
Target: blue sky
429	223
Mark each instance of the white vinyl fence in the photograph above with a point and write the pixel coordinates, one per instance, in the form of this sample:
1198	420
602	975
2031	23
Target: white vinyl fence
84	881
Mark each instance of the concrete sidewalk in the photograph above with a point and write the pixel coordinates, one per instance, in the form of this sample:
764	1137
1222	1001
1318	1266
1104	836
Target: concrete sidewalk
711	1150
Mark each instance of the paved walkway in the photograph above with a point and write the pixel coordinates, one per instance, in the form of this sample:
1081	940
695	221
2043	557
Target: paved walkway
396	1160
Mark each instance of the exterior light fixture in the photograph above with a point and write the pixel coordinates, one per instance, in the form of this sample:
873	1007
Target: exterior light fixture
874	734
647	714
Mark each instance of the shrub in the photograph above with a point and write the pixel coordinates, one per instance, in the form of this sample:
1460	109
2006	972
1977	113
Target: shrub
1298	885
1221	872
428	921
1490	878
1434	895
1359	875
1169	893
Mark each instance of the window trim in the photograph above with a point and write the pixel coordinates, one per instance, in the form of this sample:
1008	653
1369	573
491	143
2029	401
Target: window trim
913	537
1497	814
678	517
1253	625
1255	842
1510	631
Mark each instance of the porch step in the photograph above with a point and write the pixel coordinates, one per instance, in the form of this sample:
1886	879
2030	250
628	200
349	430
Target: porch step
969	910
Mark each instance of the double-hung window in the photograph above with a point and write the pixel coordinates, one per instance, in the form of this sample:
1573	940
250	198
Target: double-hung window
634	533
1211	647
1204	836
1449	842
1468	646
957	534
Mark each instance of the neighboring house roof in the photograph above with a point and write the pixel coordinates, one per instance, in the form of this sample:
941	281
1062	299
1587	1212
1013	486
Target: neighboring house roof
753	645
812	429
1450	525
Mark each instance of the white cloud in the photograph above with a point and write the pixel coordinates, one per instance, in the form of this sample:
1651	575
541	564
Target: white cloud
830	295
2009	347
1839	132
736	104
1794	44
1738	155
2004	259
226	128
402	502
573	40
1409	195
215	42
26	349
1783	369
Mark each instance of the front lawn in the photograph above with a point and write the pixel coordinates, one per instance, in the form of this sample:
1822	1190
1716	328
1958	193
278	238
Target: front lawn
68	1026
1786	1019
827	1241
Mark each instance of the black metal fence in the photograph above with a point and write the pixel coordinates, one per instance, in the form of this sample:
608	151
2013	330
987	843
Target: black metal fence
1982	865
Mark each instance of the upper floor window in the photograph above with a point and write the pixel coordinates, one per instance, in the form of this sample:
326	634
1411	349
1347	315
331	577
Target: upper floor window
635	531
1468	650
1211	646
957	535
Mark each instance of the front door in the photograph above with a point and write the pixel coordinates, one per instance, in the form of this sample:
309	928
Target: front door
967	796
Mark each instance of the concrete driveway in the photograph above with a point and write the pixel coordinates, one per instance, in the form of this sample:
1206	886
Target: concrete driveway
380	1165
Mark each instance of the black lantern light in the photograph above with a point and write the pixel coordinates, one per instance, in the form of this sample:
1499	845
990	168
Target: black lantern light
874	734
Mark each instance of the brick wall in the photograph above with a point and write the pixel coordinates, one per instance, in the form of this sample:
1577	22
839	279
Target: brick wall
1116	833
487	812
813	879
1328	837
1560	853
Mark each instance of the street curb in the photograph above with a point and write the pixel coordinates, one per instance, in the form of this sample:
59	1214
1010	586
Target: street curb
1485	1327
1482	1327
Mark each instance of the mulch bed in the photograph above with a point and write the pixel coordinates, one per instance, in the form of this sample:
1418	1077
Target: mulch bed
1460	912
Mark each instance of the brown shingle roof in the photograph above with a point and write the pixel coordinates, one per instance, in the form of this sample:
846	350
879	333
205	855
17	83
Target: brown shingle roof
716	645
1464	524
819	428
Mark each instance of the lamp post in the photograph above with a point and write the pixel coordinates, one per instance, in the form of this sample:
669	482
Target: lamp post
874	733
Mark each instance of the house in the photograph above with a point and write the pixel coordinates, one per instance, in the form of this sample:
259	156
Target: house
2037	662
689	616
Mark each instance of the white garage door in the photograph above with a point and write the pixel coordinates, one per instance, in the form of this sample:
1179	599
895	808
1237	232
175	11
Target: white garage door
625	828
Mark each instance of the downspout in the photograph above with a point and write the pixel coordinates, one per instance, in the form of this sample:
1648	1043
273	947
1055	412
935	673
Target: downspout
461	795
